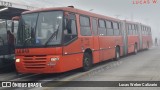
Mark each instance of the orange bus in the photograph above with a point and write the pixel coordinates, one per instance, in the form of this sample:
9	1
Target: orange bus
56	40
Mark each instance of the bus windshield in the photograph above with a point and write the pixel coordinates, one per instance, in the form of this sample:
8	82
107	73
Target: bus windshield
40	29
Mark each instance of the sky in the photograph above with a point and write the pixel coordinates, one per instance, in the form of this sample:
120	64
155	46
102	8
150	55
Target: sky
147	13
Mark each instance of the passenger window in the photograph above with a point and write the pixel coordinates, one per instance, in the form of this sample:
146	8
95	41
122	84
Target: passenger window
101	24
85	26
136	30
94	26
102	28
133	29
116	29
129	29
142	30
115	25
150	32
70	30
109	25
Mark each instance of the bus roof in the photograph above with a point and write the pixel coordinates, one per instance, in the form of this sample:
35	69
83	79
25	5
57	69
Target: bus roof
70	9
132	22
127	21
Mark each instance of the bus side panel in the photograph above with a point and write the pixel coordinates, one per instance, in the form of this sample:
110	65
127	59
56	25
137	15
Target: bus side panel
96	51
96	56
110	47
144	39
131	42
101	46
72	56
105	47
70	62
119	41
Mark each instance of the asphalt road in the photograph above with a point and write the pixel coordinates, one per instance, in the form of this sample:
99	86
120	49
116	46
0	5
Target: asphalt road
144	66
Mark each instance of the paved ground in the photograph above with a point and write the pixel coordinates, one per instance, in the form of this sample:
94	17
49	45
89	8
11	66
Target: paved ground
145	66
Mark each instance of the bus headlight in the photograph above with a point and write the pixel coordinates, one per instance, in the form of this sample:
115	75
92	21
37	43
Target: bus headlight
17	60
54	59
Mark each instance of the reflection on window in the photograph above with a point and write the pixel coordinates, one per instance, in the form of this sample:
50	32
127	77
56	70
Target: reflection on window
70	32
85	26
48	23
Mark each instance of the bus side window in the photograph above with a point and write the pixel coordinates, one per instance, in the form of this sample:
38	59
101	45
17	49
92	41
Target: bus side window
94	26
102	28
85	27
109	26
70	30
116	28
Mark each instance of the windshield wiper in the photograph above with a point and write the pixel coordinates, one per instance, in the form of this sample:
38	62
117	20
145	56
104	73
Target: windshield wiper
53	35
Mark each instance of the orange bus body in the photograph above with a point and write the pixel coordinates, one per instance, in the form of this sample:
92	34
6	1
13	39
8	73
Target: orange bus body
68	57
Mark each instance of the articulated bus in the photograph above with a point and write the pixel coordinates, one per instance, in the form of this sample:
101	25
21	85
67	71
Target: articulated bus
56	40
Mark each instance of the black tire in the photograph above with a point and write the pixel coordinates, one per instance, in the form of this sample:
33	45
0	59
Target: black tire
87	62
117	54
135	49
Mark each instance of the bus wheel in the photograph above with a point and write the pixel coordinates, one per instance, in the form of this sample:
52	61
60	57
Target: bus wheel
135	49
87	62
117	54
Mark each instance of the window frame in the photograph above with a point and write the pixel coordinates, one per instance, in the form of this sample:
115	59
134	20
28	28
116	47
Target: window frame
67	43
130	29
99	23
81	15
101	28
116	29
112	28
93	31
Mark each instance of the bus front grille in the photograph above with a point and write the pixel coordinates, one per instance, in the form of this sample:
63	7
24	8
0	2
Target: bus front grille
34	62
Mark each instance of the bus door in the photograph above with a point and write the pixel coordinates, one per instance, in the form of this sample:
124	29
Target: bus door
96	54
